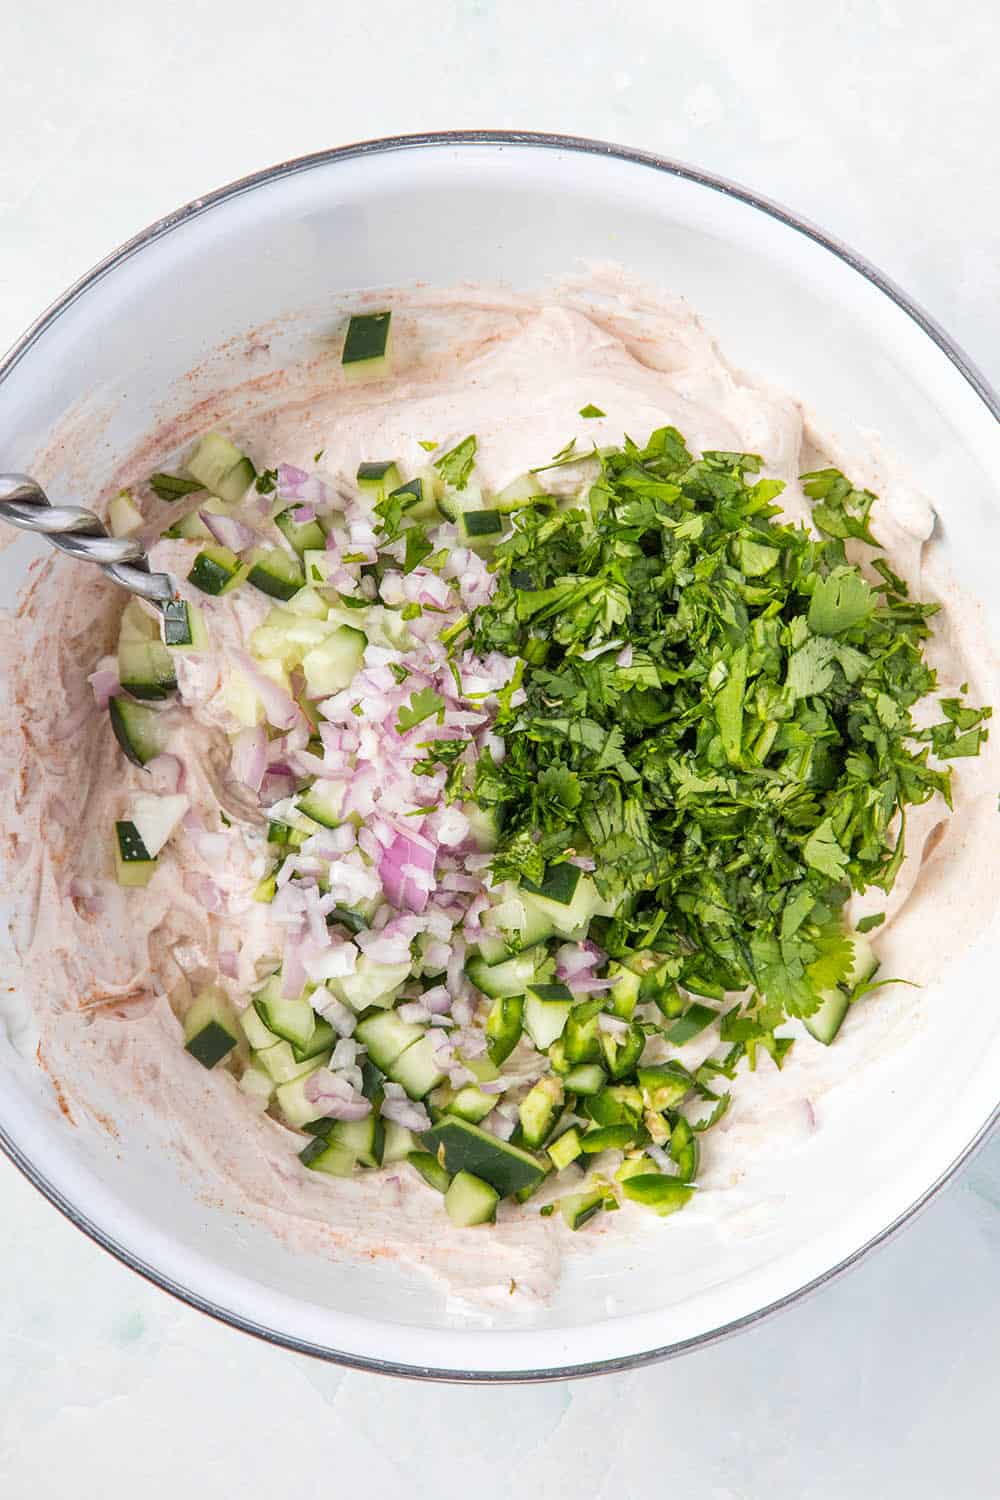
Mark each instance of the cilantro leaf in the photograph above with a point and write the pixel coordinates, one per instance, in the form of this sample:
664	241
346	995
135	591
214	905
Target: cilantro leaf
422	705
840	601
456	465
173	486
590	410
417	548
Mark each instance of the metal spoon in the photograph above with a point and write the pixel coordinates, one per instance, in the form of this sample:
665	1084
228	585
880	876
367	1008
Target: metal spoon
82	534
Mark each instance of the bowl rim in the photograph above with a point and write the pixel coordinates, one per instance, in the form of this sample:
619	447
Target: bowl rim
561	143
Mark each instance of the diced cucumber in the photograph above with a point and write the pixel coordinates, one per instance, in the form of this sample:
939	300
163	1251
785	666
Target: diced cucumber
387	1038
221	467
379	476
684	1149
608	1138
620	1104
503	1027
138	623
470	1103
155	817
303	536
322	802
367	345
145	669
585	1079
281	1064
480	529
134	865
663	1085
502	981
297	1109
364	1139
430	1170
183	626
467	1147
416	1068
572	916
274	572
371	984
546	1011
210	1028
124	517
483	826
256	1032
399	1142
492	948
581	1038
519	493
417	498
291	1020
138	730
559	885
453	503
624	993
565	1149
328	1157
335	662
824	1023
537	925
621	1054
257	1085
655	1190
578	1209
469	1201
539	1110
217	570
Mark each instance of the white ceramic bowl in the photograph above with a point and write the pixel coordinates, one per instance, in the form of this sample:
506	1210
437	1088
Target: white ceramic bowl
787	303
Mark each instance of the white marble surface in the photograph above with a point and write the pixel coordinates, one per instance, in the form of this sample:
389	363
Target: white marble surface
876	118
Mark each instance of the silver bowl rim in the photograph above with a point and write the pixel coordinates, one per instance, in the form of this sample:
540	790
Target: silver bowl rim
585	146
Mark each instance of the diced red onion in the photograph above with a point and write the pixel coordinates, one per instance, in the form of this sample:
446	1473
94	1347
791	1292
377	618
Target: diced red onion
166	774
229	963
281	710
335	1098
437	1000
413	1011
249	761
659	1156
614	1025
293	974
340	1016
437	957
105	683
334	962
582	862
405	1112
624	657
204	890
229	532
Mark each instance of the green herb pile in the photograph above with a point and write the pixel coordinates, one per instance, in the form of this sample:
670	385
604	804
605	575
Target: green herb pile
741	755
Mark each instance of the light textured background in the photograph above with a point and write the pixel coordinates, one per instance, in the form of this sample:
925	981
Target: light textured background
879	121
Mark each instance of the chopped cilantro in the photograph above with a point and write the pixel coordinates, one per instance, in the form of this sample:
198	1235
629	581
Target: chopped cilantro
422	705
417	548
749	762
267	481
455	466
173	486
427	444
590	410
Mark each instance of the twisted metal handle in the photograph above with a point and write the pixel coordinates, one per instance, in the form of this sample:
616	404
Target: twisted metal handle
81	534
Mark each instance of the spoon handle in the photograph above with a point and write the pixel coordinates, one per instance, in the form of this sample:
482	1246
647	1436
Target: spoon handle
81	534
